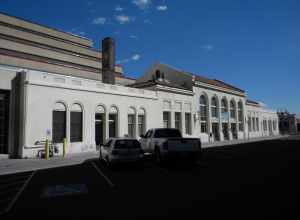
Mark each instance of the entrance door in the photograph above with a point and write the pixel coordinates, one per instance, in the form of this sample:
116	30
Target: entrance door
234	131
4	115
215	131
99	129
225	131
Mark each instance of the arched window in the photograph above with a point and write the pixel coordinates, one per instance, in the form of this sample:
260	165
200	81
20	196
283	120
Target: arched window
141	121
203	114
232	109
59	119
131	122
76	123
214	107
241	117
99	125
113	122
224	109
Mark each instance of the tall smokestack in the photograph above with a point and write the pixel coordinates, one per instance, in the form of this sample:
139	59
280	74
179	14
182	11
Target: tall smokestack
108	60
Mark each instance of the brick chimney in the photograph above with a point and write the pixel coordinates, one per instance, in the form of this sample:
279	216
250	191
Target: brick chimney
108	60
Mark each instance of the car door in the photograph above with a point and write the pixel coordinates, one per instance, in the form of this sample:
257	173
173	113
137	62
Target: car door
143	141
149	142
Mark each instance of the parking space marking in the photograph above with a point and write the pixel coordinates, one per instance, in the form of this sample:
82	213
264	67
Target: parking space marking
103	175
19	193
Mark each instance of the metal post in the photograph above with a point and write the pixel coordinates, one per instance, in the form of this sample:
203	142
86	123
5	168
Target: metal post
65	148
47	149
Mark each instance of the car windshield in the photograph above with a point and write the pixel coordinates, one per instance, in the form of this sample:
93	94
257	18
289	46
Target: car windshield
127	144
167	133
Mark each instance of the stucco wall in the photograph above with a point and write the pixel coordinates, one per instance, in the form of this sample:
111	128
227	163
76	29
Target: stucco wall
42	93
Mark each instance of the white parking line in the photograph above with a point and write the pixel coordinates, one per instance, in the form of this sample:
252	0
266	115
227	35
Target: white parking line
15	199
102	174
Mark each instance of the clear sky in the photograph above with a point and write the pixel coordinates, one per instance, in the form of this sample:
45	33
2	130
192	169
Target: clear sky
252	44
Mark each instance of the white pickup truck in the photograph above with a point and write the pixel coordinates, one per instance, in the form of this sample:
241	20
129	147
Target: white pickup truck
167	143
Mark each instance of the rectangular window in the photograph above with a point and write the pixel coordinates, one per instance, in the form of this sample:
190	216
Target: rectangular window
203	113
76	127
253	124
166	119
265	125
58	126
178	120
188	127
214	112
232	113
131	126
112	125
249	124
240	115
141	124
257	124
203	127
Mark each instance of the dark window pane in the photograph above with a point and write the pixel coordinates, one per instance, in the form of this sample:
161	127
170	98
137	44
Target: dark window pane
141	124
127	144
58	126
162	133
188	129
131	125
112	125
166	119
178	120
76	127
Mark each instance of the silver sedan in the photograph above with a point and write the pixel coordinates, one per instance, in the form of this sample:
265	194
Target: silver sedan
121	150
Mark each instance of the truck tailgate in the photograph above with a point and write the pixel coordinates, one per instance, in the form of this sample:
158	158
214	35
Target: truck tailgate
184	144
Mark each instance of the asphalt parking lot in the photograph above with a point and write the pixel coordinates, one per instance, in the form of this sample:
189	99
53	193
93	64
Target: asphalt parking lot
254	180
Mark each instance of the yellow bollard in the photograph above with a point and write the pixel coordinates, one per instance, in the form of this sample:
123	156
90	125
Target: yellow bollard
65	148
47	149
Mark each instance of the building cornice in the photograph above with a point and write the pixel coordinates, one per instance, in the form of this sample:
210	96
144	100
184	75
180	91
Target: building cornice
220	89
48	80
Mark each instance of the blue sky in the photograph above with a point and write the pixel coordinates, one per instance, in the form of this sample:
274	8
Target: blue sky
254	45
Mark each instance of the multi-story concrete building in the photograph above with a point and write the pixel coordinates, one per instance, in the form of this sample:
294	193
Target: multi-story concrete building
54	85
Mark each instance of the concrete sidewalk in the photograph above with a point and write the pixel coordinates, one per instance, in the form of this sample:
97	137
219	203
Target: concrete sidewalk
9	166
244	141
